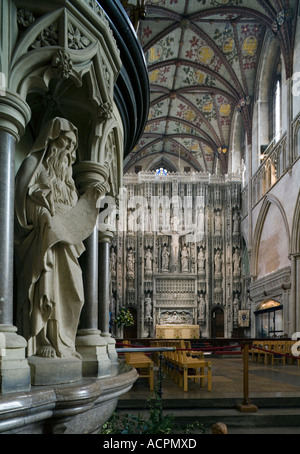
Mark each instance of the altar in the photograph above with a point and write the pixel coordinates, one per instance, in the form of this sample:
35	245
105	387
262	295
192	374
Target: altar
177	331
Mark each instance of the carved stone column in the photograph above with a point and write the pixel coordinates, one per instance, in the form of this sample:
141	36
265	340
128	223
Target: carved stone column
14	368
104	292
89	343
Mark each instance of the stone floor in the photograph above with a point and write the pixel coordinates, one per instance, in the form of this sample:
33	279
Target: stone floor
275	390
227	381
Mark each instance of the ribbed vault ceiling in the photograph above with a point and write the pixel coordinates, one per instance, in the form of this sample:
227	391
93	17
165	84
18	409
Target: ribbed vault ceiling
202	57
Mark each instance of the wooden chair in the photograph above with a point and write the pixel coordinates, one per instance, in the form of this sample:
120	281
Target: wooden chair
142	363
192	368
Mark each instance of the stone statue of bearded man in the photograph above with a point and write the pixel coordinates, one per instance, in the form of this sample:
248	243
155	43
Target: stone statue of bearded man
51	224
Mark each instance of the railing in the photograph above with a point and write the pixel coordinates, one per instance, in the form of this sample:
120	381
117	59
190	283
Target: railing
277	159
273	166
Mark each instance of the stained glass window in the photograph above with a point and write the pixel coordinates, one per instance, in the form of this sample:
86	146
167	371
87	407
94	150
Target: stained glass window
161	171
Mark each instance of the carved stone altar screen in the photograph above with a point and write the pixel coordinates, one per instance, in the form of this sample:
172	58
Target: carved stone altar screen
179	257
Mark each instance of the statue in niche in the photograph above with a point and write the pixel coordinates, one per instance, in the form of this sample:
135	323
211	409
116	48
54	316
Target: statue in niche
201	308
165	259
51	223
218	223
130	222
184	260
235	308
148	308
112	262
218	262
200	220
148	221
148	260
201	260
130	262
236	222
236	262
112	308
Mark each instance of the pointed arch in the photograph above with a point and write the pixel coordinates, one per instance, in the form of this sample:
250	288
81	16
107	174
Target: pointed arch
295	242
268	201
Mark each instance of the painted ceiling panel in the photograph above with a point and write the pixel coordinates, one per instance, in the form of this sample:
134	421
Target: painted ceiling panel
159	109
202	57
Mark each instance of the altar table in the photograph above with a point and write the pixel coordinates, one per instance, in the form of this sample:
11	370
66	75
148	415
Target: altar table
177	331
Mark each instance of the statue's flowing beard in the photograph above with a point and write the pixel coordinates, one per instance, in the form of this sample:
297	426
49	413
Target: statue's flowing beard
59	169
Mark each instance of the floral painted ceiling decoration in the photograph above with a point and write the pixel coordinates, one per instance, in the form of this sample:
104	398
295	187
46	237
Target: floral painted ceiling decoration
202	58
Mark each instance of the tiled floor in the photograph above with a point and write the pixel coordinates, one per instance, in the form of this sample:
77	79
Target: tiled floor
227	381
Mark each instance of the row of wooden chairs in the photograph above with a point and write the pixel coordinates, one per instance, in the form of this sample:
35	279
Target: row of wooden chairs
142	363
271	352
183	364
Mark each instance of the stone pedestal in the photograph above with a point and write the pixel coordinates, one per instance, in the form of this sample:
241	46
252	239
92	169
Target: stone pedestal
75	408
111	350
14	369
54	371
94	351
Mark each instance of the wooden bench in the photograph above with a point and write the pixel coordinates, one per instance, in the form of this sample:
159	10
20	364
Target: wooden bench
142	363
258	355
279	350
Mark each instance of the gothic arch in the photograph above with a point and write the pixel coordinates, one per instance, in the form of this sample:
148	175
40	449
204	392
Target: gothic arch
164	161
268	201
265	75
109	152
295	243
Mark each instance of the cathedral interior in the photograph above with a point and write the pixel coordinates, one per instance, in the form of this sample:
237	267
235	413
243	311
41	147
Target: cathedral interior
150	166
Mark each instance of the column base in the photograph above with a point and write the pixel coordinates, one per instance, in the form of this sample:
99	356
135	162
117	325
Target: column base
247	408
111	348
94	352
54	371
14	368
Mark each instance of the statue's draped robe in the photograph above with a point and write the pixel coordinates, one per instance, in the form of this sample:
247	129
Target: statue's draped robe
48	244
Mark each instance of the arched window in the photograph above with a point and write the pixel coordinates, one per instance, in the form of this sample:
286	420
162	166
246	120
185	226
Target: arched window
269	319
161	171
276	105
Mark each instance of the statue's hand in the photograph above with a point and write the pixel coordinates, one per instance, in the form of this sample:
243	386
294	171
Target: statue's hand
46	216
98	190
102	188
